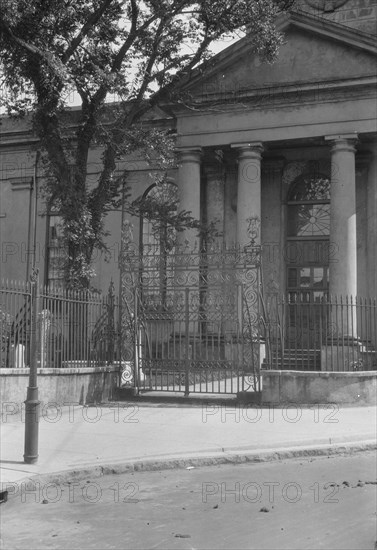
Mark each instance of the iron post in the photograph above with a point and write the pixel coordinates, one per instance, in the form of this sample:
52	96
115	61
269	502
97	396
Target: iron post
32	403
187	343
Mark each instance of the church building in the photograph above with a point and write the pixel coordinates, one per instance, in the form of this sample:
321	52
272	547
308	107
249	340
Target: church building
281	155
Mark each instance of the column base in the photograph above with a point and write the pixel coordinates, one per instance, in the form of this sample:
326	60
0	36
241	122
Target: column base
342	354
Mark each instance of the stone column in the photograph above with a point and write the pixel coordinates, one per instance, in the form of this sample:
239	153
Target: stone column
343	245
249	192
343	264
248	232
189	190
185	332
215	199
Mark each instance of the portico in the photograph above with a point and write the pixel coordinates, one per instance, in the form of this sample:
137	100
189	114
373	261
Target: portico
244	166
314	122
309	239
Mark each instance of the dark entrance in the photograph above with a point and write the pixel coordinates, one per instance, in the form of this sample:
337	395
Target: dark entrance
307	257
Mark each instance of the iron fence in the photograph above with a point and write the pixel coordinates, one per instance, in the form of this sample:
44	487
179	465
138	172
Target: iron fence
73	328
191	320
208	331
329	333
15	323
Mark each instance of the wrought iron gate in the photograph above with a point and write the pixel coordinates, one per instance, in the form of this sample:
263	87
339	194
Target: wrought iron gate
191	320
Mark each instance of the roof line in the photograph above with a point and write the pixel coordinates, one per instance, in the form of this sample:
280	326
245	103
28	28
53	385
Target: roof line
329	29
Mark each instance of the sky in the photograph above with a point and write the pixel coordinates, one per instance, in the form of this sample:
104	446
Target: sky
73	99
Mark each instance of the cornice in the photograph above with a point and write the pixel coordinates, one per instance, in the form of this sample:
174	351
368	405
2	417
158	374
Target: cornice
280	95
24	136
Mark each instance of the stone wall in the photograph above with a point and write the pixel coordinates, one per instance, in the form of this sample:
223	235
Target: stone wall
61	386
356	388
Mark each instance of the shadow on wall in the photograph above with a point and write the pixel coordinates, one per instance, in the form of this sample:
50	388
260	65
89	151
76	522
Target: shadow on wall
100	388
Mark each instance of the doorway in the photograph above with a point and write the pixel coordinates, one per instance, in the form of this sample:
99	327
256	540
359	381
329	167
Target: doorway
307	260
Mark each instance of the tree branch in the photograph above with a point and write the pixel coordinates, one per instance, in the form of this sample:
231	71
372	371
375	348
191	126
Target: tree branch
28	47
151	61
134	32
130	38
93	19
51	139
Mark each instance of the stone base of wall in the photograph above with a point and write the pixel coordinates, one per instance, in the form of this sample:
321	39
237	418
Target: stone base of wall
353	388
69	385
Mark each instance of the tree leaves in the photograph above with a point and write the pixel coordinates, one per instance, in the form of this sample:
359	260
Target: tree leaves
134	54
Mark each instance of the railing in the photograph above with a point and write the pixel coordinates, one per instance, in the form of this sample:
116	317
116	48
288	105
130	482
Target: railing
81	329
328	334
15	319
74	328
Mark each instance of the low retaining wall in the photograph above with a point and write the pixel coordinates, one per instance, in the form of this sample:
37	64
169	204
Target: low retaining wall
319	387
69	385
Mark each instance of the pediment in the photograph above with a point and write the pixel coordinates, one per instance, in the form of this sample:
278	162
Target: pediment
315	53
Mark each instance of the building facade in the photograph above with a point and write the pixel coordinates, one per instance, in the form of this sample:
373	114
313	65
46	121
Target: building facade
283	154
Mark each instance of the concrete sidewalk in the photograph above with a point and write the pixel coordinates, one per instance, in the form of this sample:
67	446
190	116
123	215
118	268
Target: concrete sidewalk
75	440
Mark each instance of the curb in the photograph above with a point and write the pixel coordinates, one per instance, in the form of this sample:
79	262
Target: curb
198	460
165	399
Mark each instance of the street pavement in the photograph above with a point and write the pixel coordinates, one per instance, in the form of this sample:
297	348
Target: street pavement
75	441
311	503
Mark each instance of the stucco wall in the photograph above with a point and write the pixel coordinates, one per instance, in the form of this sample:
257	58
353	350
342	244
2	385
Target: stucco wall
16	175
320	387
61	386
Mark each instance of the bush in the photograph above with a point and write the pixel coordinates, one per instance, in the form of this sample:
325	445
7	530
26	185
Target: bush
5	335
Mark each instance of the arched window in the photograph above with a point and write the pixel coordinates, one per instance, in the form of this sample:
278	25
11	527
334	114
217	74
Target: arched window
160	202
309	207
158	234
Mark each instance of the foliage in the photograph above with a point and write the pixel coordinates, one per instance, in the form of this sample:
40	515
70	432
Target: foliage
138	53
5	334
161	209
311	187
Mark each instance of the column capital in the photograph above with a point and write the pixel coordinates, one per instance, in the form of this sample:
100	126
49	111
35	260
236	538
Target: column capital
189	154
249	149
343	142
